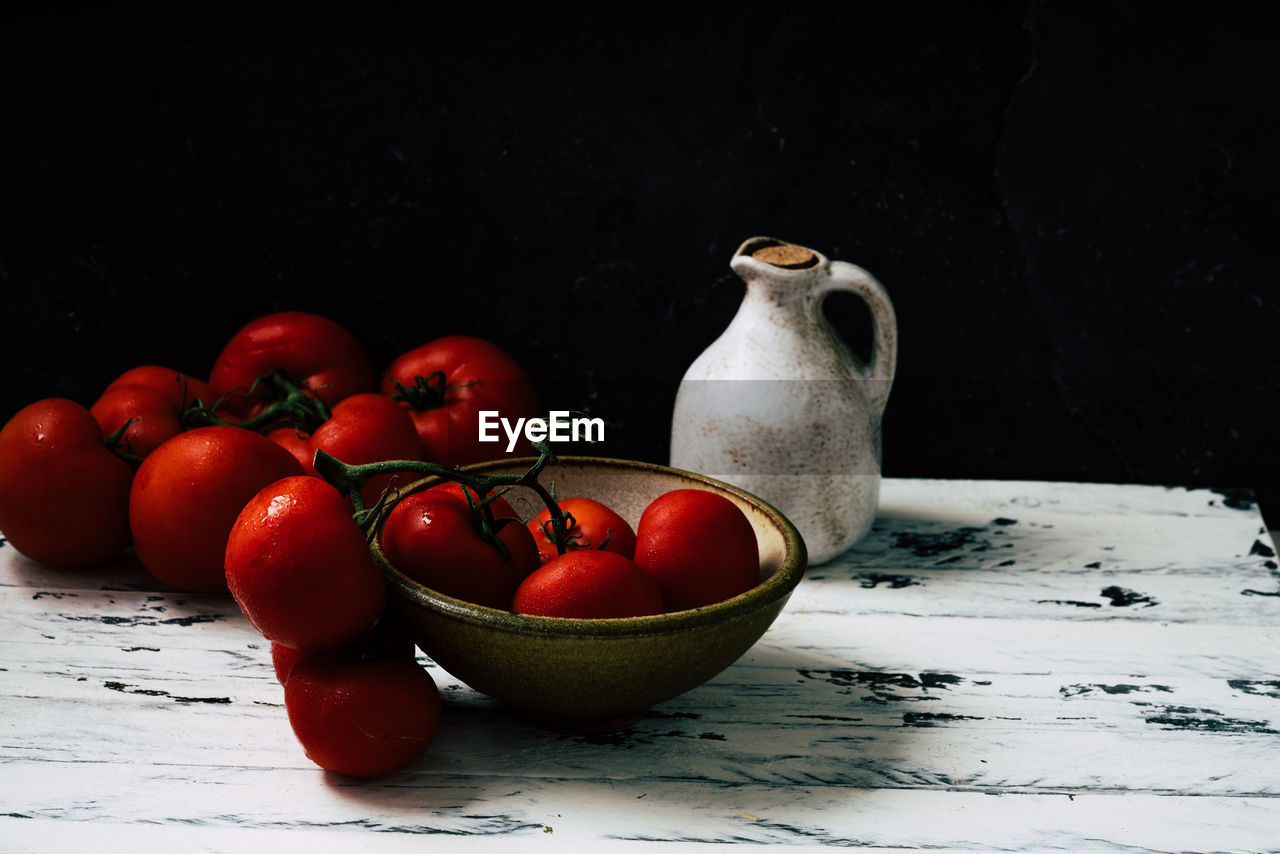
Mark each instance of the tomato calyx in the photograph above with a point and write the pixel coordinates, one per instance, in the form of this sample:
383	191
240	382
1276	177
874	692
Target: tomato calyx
481	492
118	445
285	401
427	392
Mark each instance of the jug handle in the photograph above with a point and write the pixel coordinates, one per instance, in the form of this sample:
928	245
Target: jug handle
879	373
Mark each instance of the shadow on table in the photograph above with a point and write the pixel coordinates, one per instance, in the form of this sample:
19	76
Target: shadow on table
781	722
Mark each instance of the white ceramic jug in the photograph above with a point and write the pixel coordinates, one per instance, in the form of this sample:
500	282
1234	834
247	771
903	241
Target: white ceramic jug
780	407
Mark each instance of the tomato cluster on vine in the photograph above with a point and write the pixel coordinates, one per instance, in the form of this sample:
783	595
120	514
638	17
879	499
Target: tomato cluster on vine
162	460
271	478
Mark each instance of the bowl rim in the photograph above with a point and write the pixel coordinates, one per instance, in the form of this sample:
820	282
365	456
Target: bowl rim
774	589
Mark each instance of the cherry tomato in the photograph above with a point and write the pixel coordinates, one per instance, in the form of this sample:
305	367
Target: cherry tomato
595	526
188	493
461	376
317	353
434	538
698	546
64	497
358	717
299	567
367	428
588	584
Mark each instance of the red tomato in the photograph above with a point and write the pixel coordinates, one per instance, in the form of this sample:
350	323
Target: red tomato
595	526
361	718
367	428
177	387
470	375
293	440
382	644
434	538
315	352
187	494
698	546
64	497
588	584
151	416
151	399
299	567
283	659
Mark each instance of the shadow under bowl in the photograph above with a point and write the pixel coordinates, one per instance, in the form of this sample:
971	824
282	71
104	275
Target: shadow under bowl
597	675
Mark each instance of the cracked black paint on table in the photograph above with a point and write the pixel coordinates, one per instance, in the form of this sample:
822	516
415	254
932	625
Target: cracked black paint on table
975	704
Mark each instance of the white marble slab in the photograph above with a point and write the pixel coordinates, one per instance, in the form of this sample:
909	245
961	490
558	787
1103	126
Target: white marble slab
1000	666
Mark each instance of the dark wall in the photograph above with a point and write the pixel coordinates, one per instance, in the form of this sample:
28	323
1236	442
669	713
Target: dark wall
1074	206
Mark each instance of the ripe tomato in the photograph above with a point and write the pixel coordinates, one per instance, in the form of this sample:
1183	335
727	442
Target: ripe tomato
187	494
365	428
283	659
383	643
313	351
151	400
151	416
588	584
434	538
64	497
595	526
698	546
176	386
462	377
294	440
361	718
299	567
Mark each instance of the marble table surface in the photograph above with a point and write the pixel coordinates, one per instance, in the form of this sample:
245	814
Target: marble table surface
1013	666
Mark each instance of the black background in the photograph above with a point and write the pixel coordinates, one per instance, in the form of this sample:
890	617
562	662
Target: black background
1074	206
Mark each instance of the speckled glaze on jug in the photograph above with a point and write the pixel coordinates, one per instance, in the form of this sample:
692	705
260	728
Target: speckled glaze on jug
780	407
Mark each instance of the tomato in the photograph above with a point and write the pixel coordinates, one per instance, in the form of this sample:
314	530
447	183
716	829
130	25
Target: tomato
299	567
366	428
383	643
359	717
283	659
181	389
151	400
595	526
294	440
588	584
313	351
64	497
461	376
434	538
187	495
698	546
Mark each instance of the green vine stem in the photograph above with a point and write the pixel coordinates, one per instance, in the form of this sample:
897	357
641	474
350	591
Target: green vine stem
348	479
291	403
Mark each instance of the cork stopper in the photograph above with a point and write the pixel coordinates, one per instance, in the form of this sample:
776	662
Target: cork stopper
785	255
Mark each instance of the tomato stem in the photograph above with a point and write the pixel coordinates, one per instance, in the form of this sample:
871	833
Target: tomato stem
427	392
292	403
116	439
349	478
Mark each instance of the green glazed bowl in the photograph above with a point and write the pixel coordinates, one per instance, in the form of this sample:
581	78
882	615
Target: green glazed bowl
598	675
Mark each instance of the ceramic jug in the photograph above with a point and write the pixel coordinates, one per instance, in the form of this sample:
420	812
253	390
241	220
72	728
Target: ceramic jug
779	406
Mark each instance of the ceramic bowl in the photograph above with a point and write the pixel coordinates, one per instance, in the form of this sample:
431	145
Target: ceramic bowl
596	675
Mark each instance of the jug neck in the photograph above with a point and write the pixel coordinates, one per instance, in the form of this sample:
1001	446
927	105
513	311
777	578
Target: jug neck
782	274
